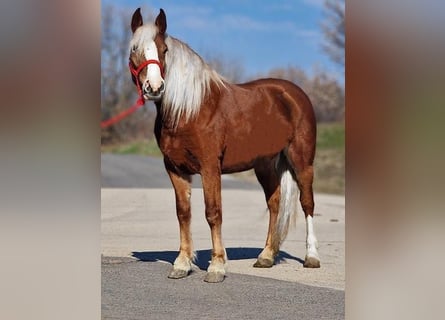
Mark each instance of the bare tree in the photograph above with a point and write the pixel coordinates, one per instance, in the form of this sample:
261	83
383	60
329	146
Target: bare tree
117	89
334	30
292	74
326	95
231	69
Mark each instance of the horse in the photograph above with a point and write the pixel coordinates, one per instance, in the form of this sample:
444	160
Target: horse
206	125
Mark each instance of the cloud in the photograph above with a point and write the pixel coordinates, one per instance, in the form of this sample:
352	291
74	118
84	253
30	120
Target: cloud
314	3
308	33
194	23
234	21
245	23
196	19
191	17
178	10
280	6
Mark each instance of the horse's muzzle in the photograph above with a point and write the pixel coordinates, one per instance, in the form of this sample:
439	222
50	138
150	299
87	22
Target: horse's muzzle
150	94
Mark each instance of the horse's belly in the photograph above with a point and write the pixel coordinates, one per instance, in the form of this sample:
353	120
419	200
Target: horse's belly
242	154
262	135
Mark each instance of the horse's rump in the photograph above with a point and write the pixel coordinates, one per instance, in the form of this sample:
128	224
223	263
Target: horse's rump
262	117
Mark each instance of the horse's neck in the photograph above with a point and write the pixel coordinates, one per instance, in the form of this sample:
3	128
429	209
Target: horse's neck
164	120
158	105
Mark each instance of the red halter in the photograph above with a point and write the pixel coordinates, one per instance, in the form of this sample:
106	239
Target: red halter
141	101
136	72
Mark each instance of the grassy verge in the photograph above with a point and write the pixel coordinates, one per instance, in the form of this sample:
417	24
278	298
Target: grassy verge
142	147
329	159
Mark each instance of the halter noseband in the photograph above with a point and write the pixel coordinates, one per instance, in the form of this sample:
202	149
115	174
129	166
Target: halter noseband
136	72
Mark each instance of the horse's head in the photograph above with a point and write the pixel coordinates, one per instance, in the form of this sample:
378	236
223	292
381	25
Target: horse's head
147	55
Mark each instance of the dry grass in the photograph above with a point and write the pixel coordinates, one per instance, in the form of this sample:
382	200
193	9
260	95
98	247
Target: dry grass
330	171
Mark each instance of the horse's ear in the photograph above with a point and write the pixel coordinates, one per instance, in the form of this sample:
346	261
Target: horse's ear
161	22
136	20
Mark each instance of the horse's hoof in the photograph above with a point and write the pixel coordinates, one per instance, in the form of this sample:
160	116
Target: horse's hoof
178	274
263	263
214	277
311	262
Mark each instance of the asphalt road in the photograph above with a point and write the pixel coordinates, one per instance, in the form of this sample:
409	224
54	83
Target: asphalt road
140	290
139	239
134	171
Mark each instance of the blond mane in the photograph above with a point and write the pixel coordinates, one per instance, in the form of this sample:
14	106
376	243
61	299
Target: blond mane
187	80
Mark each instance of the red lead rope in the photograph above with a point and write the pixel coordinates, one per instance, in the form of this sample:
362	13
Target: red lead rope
140	102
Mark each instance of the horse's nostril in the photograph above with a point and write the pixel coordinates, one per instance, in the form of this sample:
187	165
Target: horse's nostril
152	91
148	88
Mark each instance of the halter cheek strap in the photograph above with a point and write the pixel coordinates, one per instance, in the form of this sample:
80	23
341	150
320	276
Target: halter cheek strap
136	72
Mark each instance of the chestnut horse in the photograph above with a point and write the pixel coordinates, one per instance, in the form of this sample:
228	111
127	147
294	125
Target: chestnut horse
206	125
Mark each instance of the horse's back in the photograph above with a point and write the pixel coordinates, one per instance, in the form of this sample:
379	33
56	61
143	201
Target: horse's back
273	84
284	92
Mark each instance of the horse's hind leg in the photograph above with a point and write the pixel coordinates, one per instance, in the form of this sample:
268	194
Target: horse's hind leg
183	263
267	177
300	155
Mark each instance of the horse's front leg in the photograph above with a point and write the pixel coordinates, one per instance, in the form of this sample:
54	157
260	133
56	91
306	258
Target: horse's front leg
183	263
211	181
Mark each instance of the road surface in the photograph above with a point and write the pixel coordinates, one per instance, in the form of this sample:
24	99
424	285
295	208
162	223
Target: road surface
140	242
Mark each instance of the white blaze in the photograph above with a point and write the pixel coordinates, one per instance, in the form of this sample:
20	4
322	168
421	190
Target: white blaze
154	77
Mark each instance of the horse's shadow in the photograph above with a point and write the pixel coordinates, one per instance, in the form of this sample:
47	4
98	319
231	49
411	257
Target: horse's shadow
203	257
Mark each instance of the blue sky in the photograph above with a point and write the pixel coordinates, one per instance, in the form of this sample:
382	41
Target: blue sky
260	35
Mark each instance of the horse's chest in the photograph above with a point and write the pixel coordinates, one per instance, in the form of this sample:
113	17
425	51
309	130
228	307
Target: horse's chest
181	152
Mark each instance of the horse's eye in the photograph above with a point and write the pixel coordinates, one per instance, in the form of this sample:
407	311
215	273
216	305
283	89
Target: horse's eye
133	49
165	50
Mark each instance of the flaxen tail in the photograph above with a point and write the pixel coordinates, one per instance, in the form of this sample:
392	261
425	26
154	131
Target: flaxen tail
288	201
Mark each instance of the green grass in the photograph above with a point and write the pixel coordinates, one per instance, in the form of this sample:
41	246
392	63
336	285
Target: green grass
330	136
142	147
329	159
